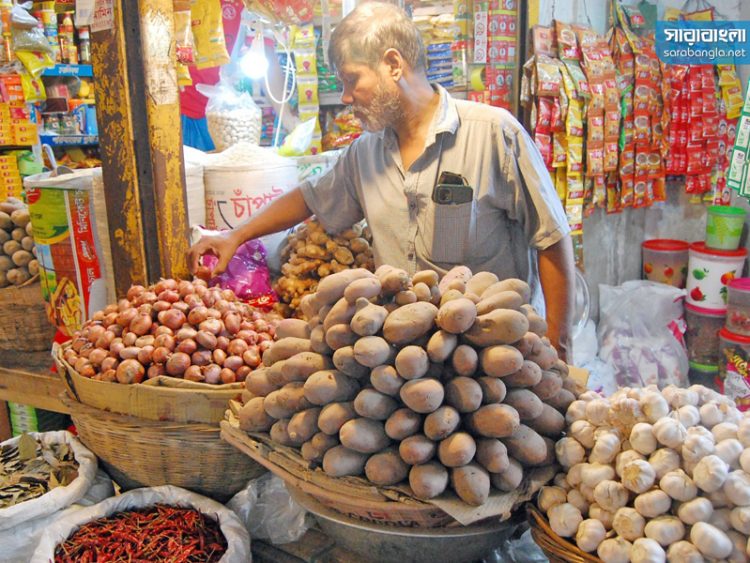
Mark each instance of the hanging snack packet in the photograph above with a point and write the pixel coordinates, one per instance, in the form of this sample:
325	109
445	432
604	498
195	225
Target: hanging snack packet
574	119
208	32
543	41
575	155
567	45
183	32
547	76
559	149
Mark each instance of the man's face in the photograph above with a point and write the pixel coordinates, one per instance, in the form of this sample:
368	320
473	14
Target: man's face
372	94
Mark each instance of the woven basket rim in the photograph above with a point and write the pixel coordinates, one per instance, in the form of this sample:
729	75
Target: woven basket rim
554	546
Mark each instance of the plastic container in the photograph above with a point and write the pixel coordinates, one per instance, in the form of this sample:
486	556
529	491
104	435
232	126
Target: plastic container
665	261
709	273
724	227
706	375
734	351
702	336
738	306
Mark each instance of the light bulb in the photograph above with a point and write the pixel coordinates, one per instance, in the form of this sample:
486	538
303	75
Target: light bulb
254	63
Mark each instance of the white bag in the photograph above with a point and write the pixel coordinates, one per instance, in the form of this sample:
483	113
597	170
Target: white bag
238	540
59	497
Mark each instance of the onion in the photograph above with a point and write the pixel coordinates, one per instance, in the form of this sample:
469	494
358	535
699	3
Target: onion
144	355
193	301
249	336
166	341
173	318
105	340
98	316
110	319
160	306
129	352
237	347
182	307
146	309
227	376
155	370
213	313
264	337
129	338
135	292
193	373
165	283
147	297
198	282
86	350
93	332
124	305
242	372
233	362
130	371
116	329
219	356
70	356
247	325
111	308
109	363
212	373
228	294
78	343
206	339
232	322
116	347
201	358
177	363
169	295
146	340
186	332
161	329
261	325
187	346
197	315
222	343
97	356
251	357
110	376
214	326
141	324
84	368
185	288
265	345
126	316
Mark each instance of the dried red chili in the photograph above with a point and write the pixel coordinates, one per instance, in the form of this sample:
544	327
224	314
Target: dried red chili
160	533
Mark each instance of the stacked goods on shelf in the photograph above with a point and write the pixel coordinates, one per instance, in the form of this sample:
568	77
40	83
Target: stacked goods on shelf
311	254
649	475
738	177
447	383
502	53
305	60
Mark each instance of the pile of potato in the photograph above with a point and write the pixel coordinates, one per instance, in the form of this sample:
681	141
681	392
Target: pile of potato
312	254
397	378
18	261
175	328
653	476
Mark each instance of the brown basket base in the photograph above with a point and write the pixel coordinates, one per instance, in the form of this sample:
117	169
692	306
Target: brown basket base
24	325
558	549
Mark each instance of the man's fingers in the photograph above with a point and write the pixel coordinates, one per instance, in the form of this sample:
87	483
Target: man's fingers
221	265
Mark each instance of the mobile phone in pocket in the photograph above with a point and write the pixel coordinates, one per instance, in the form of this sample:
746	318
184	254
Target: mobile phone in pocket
452	189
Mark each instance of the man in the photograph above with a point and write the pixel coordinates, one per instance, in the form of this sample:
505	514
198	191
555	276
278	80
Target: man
513	224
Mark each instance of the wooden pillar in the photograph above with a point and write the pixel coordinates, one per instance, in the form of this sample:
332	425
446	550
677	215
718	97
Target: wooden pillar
141	142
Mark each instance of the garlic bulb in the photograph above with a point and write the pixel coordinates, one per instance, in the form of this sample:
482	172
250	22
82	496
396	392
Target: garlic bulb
587	396
561	480
625	457
743	431
664	460
683	397
605	449
615	550
551	496
739	545
678	485
653	503
587	492
564	519
724	431
576	498
654	406
576	411
719	499
669	392
638	476
642	438
710	473
665	530
670	432
720	518
597	411
625	412
611	495
646	550
628	523
740	519
594	473
696	447
604	516
688	416
737	488
711	414
583	432
745	460
710	541
699	509
590	534
730	450
569	452
701	431
684	552
574	474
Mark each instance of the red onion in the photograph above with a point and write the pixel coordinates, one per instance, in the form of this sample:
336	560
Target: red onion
109	375
201	358
97	356
173	318
212	313
155	370
212	373
169	295
160	306
233	362
242	372
126	316
110	319
116	347
249	336
227	376
109	363
265	345
160	355
144	355
130	371
161	329
184	308
146	340
219	356
222	342
129	352
186	332
135	291
185	288
197	315
177	363
237	347
206	339
232	322
251	358
105	340
193	373
187	346
78	343
129	338
165	340
124	305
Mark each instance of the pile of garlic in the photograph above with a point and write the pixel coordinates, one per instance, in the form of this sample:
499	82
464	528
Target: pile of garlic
654	476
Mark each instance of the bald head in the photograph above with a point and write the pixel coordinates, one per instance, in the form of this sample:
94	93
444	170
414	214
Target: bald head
372	28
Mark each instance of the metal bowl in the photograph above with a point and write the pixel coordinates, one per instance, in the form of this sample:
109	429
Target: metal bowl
385	544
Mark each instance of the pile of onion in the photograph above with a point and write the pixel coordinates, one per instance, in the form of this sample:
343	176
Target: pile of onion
176	328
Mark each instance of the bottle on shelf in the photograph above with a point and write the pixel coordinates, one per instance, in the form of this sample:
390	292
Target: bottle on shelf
66	38
84	45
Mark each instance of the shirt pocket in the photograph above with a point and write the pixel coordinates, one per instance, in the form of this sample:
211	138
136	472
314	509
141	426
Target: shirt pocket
451	233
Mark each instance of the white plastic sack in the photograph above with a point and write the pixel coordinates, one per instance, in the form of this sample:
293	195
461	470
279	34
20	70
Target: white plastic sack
238	540
268	512
59	497
195	190
638	333
19	542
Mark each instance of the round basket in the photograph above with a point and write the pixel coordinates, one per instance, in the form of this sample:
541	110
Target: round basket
557	549
145	453
24	324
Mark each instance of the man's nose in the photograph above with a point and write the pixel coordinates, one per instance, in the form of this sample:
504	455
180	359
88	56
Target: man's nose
346	97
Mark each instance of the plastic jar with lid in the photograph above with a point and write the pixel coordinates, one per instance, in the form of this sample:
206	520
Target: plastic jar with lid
702	336
709	274
734	351
665	261
738	306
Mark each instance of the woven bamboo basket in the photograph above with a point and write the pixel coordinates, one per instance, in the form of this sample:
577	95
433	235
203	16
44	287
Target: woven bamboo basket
24	325
137	452
557	549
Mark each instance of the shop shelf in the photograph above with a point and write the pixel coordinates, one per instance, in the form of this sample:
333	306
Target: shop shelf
82	71
69	140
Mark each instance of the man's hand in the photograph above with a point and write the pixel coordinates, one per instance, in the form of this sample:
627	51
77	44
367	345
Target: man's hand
557	274
222	245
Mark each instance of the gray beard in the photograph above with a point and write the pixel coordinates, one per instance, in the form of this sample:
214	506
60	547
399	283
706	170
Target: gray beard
383	111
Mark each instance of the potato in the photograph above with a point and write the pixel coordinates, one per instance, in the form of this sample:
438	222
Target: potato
465	360
510	479
386	468
492	455
372	351
409	322
393	280
550	423
295	328
339	336
428	480
257	383
417	449
4	236
464	394
422	395
253	417
441	345
562	400
441	423
528	405
285	348
422	292
386	380
303	425
500	300
20	217
369	318
537	324
292	397
275	374
18	234
363	435
33	267
450	295
17	276
519	286
373	404
493	390
30	229
342	312
279	433
526	446
457	449
346	363
529	375
529	344
274	408
412	362
331	288
5	222
405	297
334	415
315	448
329	386
458	273
500	360
494	421
480	281
402	424
546	357
340	461
318	342
11	246
456	316
428	277
246	396
363	288
549	386
501	326
301	366
471	483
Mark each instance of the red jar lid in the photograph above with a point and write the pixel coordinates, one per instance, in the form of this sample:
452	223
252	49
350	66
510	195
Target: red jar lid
700	247
665	244
732	337
740	284
706	312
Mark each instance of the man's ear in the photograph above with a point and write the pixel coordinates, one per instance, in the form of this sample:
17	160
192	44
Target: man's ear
395	63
